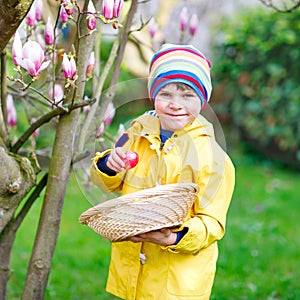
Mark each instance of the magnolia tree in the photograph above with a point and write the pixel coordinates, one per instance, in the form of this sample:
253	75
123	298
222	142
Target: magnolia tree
49	79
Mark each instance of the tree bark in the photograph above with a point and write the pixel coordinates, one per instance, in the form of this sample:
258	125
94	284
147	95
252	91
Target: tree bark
48	229
12	13
59	172
7	238
8	235
17	180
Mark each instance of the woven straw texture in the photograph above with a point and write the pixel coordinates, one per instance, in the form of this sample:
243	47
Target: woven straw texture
143	211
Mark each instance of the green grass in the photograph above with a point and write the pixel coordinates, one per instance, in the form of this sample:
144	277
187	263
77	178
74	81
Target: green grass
80	263
259	255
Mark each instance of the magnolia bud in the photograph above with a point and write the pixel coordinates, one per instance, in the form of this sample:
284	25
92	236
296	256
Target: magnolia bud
117	7
90	65
63	14
49	32
69	66
58	93
152	27
11	111
91	22
184	17
38	9
31	16
107	9
109	114
100	130
193	24
17	48
68	7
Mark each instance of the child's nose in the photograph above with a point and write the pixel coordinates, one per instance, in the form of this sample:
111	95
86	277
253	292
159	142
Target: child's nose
175	105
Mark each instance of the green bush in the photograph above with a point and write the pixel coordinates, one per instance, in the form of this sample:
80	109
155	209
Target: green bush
256	66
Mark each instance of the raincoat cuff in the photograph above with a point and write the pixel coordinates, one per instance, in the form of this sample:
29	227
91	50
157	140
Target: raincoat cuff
95	169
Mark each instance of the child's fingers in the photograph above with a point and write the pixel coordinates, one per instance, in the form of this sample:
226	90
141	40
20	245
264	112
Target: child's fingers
115	160
119	151
114	166
166	231
115	163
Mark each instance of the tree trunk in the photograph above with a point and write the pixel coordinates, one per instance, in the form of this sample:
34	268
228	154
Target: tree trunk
15	182
7	238
12	13
59	172
41	259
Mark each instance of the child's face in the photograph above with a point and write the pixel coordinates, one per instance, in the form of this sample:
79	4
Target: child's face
176	106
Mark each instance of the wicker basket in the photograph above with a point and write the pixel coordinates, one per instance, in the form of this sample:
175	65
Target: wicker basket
142	211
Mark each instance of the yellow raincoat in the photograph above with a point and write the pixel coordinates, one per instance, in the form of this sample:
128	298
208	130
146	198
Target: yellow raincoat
186	270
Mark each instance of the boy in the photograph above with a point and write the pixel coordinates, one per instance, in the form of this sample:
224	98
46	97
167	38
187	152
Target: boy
174	144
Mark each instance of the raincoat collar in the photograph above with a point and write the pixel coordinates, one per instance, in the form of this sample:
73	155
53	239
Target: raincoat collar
149	124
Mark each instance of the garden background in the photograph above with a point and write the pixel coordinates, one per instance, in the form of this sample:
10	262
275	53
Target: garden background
255	55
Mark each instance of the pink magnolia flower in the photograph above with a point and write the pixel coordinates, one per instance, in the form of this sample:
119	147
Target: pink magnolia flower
91	22
91	19
38	9
100	130
152	27
17	48
68	7
36	132
109	114
193	24
90	65
63	15
107	9
11	111
184	17
31	18
49	32
33	58
41	40
86	109
58	93
69	66
117	8
91	8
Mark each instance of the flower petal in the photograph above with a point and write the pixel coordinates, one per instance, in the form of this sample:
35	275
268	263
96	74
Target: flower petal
44	65
28	65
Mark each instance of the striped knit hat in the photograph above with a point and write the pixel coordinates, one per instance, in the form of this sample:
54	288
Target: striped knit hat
182	64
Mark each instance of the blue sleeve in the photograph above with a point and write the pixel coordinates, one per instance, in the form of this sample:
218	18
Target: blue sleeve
180	235
102	166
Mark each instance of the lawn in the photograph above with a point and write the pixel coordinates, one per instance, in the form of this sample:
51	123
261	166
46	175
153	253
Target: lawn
259	255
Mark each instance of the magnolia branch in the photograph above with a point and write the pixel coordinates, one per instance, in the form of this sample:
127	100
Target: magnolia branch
286	9
67	108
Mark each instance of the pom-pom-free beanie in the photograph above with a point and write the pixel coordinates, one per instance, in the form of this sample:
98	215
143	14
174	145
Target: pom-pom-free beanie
180	64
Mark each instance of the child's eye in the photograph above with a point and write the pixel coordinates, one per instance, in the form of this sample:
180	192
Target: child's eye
164	94
189	95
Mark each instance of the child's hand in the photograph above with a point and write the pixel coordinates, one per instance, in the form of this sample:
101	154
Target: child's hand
119	160
163	237
116	160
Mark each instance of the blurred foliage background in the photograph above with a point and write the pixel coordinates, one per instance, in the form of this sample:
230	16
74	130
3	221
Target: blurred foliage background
256	70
